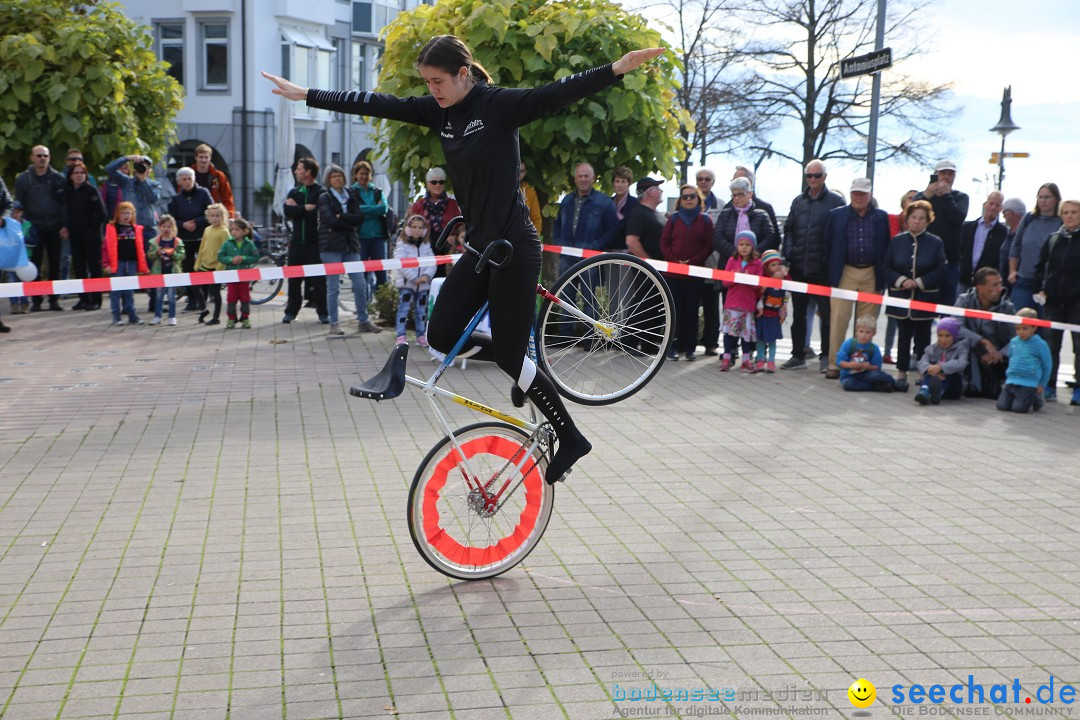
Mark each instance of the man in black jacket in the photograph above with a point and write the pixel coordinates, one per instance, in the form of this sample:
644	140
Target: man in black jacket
806	251
188	208
302	208
43	194
981	241
950	211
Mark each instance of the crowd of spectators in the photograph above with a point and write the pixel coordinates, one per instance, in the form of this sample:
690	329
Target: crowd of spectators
1003	261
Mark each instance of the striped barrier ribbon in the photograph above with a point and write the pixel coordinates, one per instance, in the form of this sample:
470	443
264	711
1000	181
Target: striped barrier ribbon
146	282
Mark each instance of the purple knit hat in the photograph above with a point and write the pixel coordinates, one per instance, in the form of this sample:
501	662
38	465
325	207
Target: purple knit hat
950	325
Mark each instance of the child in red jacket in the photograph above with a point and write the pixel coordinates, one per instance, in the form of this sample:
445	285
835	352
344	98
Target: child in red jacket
123	253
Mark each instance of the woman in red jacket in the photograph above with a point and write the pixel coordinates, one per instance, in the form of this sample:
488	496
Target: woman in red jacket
687	239
123	254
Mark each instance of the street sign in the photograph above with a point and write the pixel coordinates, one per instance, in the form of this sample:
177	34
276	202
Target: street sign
866	64
995	158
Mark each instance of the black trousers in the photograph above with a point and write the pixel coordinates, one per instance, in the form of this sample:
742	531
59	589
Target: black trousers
305	255
799	330
196	294
906	330
48	248
687	295
710	307
511	294
86	261
1065	314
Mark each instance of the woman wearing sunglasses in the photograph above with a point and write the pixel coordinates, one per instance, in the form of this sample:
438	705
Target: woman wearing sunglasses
439	209
687	239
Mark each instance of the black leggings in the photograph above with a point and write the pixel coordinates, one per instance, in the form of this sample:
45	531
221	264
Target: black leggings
511	294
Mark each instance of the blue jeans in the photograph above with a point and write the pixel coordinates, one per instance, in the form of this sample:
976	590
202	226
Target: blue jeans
1022	295
124	297
867	381
333	286
374	249
159	301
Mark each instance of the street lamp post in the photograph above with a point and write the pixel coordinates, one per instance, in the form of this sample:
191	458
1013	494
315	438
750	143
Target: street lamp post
1004	126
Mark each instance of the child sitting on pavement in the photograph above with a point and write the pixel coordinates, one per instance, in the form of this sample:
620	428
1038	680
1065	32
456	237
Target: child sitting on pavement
942	365
859	360
1028	371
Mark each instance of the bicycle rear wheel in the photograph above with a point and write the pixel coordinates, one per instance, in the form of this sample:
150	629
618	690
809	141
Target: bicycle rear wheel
263	291
632	306
449	525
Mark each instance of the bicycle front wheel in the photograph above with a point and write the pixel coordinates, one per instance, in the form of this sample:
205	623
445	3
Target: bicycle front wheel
263	291
624	345
454	527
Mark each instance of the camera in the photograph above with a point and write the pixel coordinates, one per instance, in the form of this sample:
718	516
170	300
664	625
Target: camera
140	166
933	177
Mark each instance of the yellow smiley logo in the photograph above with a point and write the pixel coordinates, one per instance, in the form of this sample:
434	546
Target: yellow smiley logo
862	693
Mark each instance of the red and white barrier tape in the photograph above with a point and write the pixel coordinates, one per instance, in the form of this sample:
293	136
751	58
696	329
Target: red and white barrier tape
145	282
825	291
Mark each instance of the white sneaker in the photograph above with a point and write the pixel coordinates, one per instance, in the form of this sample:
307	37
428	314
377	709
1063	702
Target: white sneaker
120	323
172	321
154	321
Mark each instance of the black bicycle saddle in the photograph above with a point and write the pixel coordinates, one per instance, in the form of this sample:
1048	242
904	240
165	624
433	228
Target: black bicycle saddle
390	381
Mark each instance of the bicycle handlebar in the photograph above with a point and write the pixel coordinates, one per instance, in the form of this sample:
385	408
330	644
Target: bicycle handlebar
454	222
485	257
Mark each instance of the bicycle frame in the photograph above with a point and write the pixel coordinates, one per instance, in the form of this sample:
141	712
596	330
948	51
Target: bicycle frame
537	431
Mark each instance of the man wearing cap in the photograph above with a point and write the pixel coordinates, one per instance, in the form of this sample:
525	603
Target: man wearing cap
805	247
858	237
950	211
980	243
644	226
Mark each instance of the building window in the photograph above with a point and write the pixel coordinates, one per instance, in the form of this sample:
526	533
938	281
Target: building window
361	17
170	42
214	37
286	59
358	65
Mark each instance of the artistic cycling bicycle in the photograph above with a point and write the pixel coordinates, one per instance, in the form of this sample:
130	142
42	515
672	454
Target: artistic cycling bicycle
478	502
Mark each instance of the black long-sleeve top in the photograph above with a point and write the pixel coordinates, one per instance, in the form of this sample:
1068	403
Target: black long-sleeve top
479	137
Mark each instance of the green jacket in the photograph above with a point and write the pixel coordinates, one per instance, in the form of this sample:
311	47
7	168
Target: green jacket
154	257
245	249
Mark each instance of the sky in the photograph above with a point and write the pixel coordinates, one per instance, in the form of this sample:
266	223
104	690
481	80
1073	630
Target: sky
980	46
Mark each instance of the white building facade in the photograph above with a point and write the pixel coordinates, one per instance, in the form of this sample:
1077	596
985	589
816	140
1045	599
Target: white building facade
216	49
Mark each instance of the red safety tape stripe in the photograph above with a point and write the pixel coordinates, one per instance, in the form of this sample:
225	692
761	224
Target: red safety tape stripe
824	290
143	282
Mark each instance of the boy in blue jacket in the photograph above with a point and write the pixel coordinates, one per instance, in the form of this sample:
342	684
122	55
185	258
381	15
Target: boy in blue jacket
859	360
1029	369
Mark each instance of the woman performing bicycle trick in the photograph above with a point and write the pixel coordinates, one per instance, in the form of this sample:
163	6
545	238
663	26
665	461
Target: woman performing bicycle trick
478	126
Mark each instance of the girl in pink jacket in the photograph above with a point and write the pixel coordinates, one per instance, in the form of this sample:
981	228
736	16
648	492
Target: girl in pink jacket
740	303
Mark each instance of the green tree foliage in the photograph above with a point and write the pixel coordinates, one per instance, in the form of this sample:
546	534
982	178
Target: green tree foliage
80	74
529	43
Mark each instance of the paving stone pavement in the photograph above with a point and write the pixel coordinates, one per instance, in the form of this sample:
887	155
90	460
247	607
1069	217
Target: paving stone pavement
197	523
